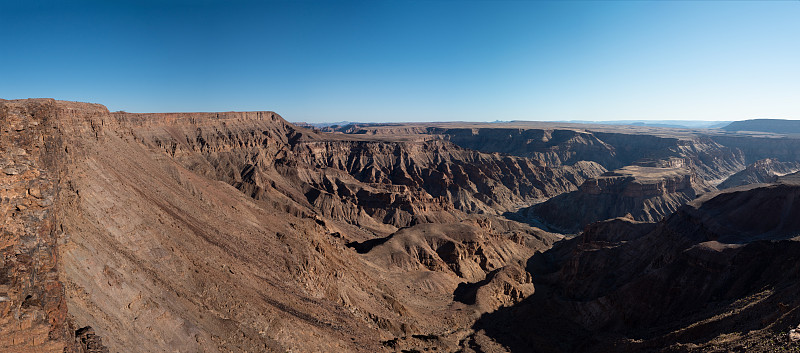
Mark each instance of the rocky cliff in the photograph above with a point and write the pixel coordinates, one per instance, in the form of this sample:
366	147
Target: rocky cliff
33	310
755	148
242	232
644	193
566	144
656	172
717	274
763	171
238	231
554	146
396	182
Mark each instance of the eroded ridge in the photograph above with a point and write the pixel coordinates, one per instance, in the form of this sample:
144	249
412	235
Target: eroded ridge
239	231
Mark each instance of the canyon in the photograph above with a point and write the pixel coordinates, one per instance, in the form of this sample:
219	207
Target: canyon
240	231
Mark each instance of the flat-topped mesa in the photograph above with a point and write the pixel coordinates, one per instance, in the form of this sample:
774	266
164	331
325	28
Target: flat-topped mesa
632	187
778	126
188	133
645	193
51	111
157	125
58	108
553	145
377	129
197	118
636	181
673	162
76	118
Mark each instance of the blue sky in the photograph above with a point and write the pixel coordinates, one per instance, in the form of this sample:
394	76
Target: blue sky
436	60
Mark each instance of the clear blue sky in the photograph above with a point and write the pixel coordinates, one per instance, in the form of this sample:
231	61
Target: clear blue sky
410	60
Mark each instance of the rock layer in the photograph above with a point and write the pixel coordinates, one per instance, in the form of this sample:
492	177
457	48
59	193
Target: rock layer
644	193
763	171
241	232
714	274
33	310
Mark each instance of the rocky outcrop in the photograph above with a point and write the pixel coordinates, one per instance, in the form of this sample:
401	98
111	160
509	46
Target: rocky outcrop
553	146
238	231
755	148
716	268
699	163
397	183
611	147
469	181
241	232
646	193
469	250
763	171
89	341
33	311
505	286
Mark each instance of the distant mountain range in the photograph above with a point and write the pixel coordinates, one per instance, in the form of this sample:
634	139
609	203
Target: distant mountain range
682	124
780	126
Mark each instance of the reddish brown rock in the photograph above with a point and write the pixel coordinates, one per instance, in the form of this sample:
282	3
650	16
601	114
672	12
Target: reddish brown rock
33	314
230	232
239	232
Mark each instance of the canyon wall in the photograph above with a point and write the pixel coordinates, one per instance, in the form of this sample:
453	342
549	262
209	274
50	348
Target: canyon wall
642	193
33	310
241	232
717	274
762	171
755	148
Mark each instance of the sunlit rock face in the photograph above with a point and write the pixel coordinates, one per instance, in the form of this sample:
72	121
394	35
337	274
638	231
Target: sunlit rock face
239	231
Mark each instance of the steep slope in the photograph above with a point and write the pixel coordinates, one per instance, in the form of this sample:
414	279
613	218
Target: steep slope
758	147
156	258
553	146
763	171
557	144
395	182
646	193
646	182
720	273
380	186
241	232
710	160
